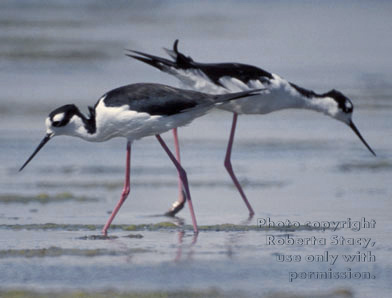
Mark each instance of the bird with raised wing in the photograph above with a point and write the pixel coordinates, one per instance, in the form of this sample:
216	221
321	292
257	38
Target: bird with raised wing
221	78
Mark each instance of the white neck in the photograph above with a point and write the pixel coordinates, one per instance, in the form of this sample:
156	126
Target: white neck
325	105
77	127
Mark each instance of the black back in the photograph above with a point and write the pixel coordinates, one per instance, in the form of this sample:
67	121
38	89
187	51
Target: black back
215	71
242	72
155	99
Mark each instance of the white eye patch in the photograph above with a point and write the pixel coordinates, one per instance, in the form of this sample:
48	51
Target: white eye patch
58	117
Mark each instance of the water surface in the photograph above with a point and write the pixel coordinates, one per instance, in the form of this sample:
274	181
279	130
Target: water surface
294	165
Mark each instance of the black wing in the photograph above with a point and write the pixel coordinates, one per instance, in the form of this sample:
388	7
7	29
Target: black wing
155	99
162	100
214	71
242	72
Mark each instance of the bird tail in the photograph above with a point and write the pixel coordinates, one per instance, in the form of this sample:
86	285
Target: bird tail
222	98
155	61
163	64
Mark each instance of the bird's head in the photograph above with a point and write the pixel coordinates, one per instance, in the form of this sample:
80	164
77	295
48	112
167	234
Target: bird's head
341	108
65	120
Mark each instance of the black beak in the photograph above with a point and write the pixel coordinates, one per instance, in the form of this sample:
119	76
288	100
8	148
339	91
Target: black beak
355	129
43	142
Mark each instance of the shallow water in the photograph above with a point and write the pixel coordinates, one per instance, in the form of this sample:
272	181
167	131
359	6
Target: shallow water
294	165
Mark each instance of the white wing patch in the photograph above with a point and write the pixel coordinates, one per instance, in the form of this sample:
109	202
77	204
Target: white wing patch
195	79
255	84
233	84
58	117
348	105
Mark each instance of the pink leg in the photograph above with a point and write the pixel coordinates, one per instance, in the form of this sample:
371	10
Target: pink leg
125	191
184	180
229	167
179	204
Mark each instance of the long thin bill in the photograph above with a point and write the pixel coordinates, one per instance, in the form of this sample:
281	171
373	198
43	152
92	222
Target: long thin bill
355	129
43	142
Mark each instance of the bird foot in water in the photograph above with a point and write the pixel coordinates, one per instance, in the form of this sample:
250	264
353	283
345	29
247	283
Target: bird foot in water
175	208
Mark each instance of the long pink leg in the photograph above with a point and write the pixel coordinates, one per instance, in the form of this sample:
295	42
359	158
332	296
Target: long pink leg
179	204
181	195
125	191
184	180
229	167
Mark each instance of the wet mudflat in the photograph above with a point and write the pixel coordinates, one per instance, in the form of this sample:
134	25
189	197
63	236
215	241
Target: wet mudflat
295	166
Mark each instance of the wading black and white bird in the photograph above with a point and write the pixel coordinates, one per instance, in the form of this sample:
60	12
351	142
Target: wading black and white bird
133	112
221	78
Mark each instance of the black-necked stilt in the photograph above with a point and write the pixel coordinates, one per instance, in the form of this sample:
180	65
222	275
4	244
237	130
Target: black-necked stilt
220	78
133	112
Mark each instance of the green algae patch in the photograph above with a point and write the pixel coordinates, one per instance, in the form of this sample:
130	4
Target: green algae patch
109	237
149	227
97	237
162	226
52	226
130	227
209	293
44	198
54	251
82	185
376	165
228	227
135	236
91	227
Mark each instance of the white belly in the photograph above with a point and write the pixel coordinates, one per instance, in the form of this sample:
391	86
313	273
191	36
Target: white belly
121	122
